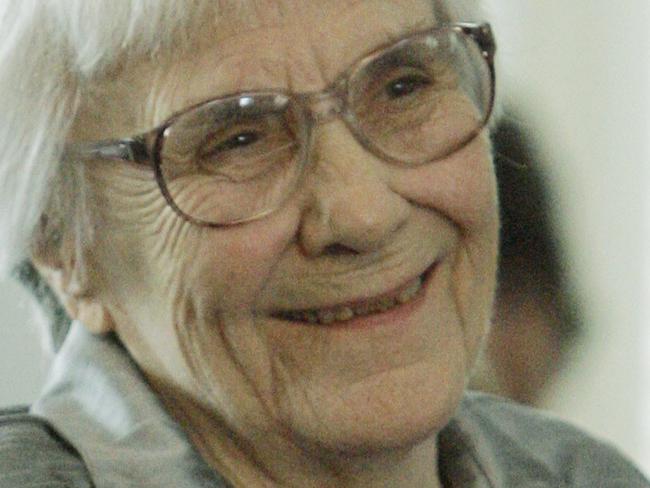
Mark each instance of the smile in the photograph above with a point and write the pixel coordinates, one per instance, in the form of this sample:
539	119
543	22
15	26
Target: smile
394	299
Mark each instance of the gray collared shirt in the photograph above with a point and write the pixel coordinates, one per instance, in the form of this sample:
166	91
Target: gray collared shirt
99	420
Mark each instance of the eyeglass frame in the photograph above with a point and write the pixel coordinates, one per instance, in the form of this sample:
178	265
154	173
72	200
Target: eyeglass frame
320	107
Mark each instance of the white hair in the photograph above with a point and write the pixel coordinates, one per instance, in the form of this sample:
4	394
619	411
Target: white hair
50	51
50	54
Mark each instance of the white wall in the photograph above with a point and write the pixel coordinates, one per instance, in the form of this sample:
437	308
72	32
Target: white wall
580	70
22	366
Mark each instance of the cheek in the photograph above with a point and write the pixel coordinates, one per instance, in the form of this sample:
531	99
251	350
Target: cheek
232	265
132	227
461	188
169	283
142	241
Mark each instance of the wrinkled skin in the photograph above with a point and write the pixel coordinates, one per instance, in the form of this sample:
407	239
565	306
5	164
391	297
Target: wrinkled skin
307	405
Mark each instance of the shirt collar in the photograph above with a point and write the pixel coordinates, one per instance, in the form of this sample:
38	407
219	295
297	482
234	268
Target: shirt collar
465	460
98	400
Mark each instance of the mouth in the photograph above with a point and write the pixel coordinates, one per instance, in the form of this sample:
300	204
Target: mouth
342	314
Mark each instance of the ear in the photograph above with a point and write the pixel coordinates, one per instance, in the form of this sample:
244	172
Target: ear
57	261
95	316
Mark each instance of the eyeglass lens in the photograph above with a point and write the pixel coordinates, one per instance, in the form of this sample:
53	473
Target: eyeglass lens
239	158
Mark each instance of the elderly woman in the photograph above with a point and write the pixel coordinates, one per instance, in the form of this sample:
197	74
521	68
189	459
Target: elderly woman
274	225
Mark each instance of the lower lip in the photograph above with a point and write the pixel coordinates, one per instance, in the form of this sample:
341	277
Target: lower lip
394	316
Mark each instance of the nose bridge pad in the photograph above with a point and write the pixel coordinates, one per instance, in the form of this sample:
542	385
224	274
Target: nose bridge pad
325	106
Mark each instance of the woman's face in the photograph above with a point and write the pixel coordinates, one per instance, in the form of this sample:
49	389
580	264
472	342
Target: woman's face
196	306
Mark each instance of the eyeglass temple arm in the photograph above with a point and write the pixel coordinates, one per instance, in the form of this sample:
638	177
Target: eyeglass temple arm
134	150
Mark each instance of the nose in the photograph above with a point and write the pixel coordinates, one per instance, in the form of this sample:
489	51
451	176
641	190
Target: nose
350	205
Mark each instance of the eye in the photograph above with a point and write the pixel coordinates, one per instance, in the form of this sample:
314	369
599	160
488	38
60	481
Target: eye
406	85
239	140
218	146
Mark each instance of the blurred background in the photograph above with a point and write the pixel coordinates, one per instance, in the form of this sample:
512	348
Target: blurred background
576	80
572	326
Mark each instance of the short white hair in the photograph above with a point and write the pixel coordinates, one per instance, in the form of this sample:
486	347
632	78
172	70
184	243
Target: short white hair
50	54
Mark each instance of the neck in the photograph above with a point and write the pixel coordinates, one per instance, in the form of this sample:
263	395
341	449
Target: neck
274	459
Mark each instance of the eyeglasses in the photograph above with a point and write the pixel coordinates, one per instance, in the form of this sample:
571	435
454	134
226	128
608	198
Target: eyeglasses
239	157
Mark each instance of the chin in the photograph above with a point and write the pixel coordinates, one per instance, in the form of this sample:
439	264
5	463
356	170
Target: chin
396	410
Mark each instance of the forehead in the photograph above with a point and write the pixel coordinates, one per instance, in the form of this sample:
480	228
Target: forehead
306	43
291	44
325	24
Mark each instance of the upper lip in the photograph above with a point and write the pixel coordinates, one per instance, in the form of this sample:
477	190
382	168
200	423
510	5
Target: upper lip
360	299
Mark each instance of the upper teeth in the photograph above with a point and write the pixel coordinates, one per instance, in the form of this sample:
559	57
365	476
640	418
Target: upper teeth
343	313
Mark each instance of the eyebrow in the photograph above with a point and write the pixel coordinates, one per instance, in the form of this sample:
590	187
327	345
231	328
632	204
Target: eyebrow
231	84
393	35
383	36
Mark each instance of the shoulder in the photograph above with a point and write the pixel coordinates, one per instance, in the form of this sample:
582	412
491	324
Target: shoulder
531	443
32	454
